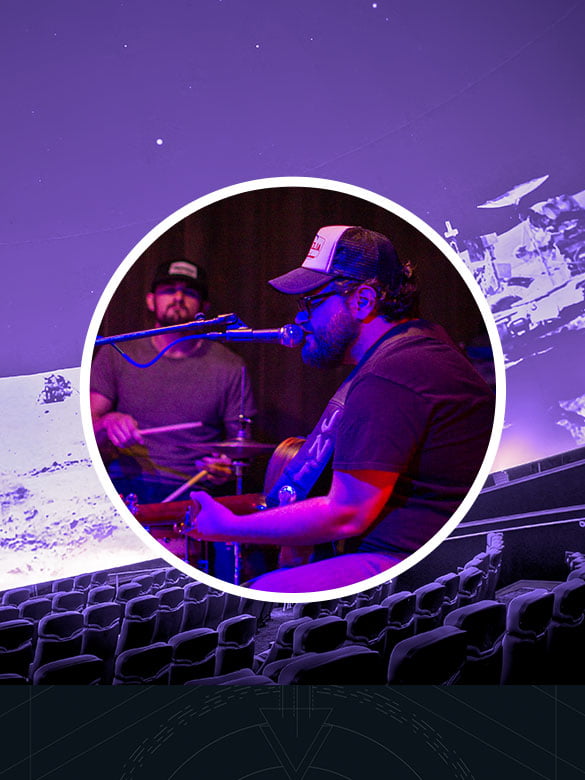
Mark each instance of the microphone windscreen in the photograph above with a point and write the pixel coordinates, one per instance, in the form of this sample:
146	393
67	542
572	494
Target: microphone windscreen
292	336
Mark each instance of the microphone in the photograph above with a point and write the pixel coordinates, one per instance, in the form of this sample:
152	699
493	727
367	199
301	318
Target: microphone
287	335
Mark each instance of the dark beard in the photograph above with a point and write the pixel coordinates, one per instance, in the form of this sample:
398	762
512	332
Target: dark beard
327	347
174	316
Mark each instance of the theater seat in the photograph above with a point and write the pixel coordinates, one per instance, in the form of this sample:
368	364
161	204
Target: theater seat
319	635
235	647
82	582
282	646
428	611
100	594
16	648
434	657
13	679
215	607
69	601
400	620
471	581
348	665
566	634
310	609
137	629
525	640
143	665
63	585
101	626
81	670
451	596
33	610
15	596
259	609
169	613
59	636
367	626
10	612
127	591
193	655
194	606
485	624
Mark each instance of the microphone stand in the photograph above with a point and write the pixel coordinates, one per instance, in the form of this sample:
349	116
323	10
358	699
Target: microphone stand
228	320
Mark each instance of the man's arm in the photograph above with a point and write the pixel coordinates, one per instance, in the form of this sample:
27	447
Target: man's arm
110	426
353	503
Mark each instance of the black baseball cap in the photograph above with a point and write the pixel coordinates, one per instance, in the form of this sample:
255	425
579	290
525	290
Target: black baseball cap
182	271
340	251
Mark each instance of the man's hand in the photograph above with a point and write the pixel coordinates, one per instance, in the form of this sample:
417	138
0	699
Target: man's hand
120	429
219	468
211	521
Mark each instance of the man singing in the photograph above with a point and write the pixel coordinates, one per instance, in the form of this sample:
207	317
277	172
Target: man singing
406	433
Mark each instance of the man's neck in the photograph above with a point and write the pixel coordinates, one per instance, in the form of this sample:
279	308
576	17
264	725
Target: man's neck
180	350
370	333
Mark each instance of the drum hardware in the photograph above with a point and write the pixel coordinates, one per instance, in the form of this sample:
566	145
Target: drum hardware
179	516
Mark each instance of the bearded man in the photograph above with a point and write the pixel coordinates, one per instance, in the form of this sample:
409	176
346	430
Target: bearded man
194	381
406	433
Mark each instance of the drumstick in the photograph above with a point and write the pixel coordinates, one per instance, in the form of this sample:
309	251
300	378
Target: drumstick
185	485
168	428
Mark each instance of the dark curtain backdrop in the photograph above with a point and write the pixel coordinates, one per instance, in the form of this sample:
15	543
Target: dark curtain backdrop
247	239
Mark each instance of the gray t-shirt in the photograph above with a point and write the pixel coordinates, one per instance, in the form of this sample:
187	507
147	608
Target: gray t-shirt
203	387
418	408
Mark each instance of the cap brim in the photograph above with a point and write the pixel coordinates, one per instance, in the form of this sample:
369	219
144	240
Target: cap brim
299	281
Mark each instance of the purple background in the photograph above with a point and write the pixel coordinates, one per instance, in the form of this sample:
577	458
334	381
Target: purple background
438	106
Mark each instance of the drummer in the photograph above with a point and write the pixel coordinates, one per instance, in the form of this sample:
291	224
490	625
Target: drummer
195	381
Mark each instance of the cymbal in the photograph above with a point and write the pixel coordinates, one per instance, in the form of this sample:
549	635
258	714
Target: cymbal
237	448
513	196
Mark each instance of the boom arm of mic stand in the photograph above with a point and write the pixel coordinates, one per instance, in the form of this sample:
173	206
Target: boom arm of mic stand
229	320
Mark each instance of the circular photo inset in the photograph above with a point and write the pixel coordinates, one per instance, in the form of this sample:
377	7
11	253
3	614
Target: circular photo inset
279	389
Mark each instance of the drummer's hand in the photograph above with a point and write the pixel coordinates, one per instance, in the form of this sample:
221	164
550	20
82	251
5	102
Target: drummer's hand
212	521
121	429
219	468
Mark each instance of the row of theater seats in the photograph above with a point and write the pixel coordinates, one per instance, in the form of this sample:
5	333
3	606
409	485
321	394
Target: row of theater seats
448	631
538	638
185	656
136	617
451	630
105	621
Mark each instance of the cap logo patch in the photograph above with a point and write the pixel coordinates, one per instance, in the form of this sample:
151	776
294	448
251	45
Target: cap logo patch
183	269
323	248
316	247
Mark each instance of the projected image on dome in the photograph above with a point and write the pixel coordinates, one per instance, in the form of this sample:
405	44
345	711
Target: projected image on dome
533	276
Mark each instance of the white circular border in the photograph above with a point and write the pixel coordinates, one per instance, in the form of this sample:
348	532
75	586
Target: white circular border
347	189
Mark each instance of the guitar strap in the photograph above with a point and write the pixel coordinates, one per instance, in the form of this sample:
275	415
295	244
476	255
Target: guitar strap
303	471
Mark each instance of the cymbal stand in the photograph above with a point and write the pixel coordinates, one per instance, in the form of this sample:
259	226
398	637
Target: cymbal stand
244	435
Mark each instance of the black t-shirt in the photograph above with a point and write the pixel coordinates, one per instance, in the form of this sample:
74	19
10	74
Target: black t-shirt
416	407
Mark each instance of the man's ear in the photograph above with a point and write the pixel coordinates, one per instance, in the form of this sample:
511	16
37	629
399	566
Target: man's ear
150	301
365	298
205	306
